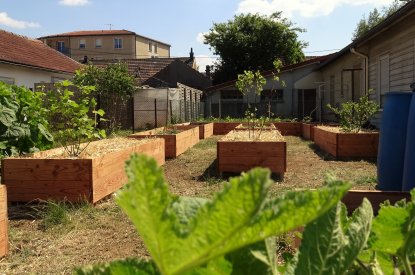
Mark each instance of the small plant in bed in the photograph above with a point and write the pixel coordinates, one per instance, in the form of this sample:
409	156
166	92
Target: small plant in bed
70	113
354	115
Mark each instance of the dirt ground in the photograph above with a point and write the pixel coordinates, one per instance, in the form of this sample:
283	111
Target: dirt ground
103	233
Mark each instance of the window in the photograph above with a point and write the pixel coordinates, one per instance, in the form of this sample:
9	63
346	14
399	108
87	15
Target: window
273	95
383	79
7	80
118	43
233	94
82	43
332	91
155	48
150	47
98	43
60	46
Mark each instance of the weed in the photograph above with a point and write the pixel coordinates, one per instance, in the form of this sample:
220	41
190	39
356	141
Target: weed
53	214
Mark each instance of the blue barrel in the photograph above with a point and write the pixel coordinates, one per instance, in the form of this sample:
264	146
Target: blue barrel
408	181
392	140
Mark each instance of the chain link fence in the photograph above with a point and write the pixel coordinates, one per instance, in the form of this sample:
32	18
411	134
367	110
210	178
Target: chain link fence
152	113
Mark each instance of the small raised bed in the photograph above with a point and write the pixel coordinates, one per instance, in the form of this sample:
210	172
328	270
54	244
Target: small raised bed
341	145
238	155
223	128
4	240
353	199
48	175
289	128
205	129
307	131
181	138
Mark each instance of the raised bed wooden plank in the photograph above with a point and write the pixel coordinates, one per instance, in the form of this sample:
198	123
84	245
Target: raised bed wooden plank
205	129
289	128
327	141
4	222
223	128
89	179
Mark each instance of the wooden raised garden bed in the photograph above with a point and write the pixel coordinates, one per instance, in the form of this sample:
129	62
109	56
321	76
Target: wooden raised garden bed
223	128
342	145
181	138
307	131
4	240
205	129
289	128
353	199
48	175
238	155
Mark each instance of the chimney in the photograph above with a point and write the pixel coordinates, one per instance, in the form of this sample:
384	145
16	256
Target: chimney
192	55
85	60
208	71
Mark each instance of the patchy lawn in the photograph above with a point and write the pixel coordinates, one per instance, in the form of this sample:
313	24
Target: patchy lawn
89	234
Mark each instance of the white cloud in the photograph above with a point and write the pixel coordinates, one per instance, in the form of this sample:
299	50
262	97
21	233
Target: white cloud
203	60
200	37
306	8
74	2
6	20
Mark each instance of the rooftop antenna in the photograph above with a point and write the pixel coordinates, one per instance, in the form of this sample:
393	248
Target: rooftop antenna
110	25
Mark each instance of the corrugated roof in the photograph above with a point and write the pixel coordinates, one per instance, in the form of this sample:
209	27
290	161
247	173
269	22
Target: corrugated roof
20	50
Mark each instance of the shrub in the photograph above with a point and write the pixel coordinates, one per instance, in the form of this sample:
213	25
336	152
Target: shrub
353	115
24	127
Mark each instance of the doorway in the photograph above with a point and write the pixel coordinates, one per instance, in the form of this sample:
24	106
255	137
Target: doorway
307	103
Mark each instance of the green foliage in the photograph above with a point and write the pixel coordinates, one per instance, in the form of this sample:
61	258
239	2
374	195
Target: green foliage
332	242
23	122
253	42
53	213
191	236
70	113
114	86
375	17
353	115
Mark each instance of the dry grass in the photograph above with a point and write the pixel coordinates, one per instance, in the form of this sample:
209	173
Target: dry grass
103	233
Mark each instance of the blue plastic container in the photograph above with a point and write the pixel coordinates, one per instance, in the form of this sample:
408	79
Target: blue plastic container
408	181
392	140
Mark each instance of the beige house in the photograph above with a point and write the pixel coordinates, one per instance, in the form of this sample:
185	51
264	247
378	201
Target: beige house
382	60
106	44
25	61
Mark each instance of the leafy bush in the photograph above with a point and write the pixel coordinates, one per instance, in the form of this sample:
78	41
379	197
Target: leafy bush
23	122
353	115
70	113
234	232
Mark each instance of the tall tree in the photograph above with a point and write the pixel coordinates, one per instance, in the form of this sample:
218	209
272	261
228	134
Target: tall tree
253	42
375	17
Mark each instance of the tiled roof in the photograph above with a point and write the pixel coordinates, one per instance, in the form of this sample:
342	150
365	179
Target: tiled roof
143	68
24	51
94	32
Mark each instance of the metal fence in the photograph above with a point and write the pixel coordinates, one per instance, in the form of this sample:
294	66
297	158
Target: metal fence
151	112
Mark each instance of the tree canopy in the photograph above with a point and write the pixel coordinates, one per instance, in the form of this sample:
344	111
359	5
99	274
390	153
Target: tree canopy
375	17
253	42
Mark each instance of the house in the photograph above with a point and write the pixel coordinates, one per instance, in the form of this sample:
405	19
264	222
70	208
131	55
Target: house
296	99
382	60
25	61
106	44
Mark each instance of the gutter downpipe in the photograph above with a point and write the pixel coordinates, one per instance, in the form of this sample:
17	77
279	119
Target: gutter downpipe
366	58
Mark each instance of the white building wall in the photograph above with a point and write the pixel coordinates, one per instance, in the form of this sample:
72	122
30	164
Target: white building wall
24	76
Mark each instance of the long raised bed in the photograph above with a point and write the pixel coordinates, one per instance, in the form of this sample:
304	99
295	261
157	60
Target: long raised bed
223	128
346	144
205	129
89	179
4	239
175	144
239	156
289	128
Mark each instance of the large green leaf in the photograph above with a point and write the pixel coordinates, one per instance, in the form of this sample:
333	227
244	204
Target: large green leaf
332	242
122	267
238	216
7	116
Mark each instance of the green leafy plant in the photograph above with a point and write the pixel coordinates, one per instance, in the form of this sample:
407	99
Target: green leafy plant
307	119
72	125
23	121
353	115
199	236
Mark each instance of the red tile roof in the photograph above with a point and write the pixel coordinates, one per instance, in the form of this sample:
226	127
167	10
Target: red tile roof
20	50
94	32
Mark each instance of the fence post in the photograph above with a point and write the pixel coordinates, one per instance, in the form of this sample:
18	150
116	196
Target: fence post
132	114
180	109
171	111
155	113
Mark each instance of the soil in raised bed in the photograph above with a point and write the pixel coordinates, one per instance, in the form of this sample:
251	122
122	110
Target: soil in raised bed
256	135
335	129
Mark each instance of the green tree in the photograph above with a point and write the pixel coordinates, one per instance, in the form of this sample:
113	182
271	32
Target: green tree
375	17
114	86
253	42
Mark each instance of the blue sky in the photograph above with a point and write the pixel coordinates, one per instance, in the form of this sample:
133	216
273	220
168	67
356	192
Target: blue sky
329	23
